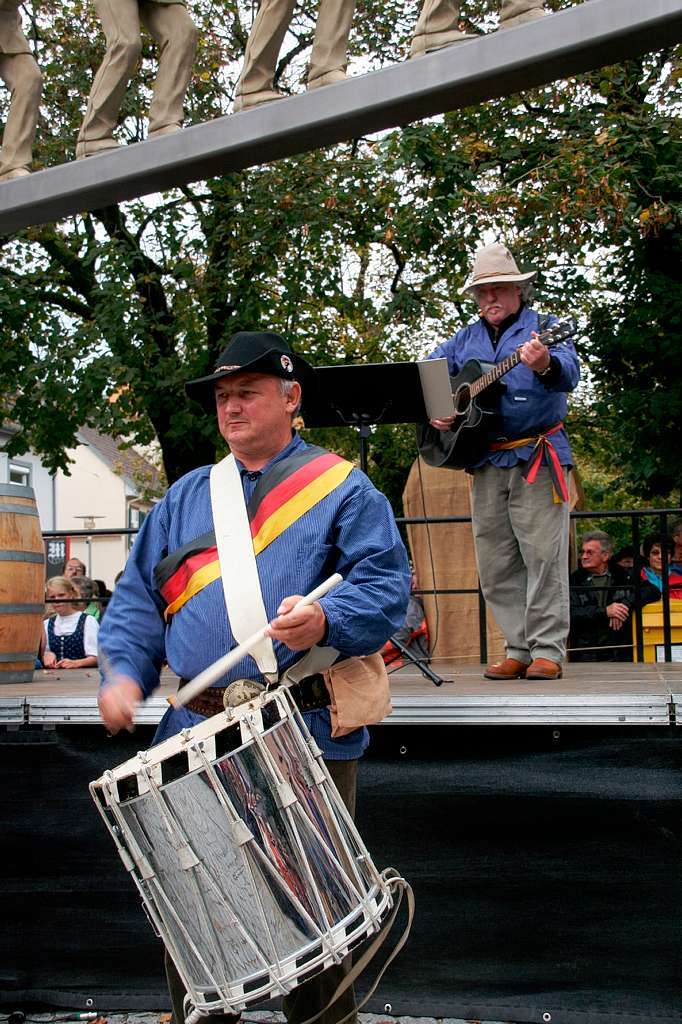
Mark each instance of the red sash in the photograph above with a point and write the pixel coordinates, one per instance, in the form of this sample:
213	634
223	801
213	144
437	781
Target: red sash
285	493
542	446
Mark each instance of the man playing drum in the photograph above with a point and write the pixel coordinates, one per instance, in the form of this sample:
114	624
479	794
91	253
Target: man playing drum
311	514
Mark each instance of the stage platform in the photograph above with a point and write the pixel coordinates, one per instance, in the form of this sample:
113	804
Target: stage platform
588	694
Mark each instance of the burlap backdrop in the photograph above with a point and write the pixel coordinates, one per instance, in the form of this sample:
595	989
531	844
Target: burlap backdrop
443	557
449	548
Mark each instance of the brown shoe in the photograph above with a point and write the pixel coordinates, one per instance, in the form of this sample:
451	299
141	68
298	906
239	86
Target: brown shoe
542	668
510	668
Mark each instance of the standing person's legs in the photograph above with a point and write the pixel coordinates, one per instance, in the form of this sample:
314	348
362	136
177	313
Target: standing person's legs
176	36
436	27
541	527
501	568
256	81
329	57
311	996
121	25
21	75
518	12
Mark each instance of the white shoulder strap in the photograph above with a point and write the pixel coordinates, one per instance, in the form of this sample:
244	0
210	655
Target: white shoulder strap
241	584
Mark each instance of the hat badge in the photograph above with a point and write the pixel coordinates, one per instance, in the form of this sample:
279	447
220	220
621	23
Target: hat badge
286	364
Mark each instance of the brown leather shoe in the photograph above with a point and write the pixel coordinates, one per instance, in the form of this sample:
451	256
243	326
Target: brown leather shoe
510	668
542	668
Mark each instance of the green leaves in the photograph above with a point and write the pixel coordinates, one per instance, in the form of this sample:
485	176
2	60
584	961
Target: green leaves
354	253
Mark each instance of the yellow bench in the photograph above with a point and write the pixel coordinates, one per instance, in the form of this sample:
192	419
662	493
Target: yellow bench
652	630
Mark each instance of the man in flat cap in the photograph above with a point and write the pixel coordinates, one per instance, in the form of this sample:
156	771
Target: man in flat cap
21	75
437	25
182	598
176	35
519	496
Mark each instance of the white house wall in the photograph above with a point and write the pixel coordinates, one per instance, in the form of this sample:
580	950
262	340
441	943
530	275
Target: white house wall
42	483
93	489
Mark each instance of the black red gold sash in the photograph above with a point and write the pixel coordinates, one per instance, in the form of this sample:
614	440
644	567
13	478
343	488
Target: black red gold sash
285	493
541	446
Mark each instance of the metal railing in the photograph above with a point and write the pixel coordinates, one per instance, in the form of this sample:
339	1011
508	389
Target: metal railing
662	516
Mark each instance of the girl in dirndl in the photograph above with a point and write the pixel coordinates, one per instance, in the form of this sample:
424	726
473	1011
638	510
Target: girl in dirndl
70	637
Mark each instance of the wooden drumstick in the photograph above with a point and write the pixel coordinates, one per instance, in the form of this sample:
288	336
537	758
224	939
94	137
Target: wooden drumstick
224	664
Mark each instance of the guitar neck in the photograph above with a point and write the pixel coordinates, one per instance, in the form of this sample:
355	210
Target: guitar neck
559	332
497	371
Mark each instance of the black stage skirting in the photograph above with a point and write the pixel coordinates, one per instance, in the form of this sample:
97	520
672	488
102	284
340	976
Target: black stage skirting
545	869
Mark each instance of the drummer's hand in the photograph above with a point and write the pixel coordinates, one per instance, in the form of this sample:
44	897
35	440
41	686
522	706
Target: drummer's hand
443	424
301	629
118	702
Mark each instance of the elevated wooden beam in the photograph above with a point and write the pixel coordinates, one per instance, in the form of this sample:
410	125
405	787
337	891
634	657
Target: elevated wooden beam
582	38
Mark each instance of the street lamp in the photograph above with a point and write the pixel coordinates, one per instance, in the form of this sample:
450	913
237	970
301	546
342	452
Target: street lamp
89	523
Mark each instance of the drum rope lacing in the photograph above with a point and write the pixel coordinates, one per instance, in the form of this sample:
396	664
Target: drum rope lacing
160	907
394	882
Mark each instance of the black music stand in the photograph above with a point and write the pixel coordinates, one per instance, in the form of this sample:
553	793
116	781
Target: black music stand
362	395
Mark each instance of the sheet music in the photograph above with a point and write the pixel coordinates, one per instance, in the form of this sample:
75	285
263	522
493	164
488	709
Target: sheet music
435	381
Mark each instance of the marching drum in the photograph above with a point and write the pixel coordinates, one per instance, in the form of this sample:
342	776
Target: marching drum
249	865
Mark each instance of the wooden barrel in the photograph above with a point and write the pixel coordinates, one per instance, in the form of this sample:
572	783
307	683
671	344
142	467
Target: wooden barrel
22	583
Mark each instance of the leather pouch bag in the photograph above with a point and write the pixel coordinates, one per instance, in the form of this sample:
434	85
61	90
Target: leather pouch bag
359	692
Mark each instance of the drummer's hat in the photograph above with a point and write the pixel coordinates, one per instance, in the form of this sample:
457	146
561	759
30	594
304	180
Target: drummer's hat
495	265
253	352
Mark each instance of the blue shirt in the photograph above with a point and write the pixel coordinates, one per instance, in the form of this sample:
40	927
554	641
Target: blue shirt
527	404
352	531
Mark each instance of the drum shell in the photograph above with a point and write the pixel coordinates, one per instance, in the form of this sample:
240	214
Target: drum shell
168	874
22	583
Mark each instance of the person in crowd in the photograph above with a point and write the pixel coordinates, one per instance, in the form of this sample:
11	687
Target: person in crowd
653	547
520	511
339	522
103	596
413	634
88	592
625	558
676	534
70	636
602	599
74	567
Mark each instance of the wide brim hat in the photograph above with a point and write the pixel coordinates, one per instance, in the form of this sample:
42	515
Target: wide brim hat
252	352
495	265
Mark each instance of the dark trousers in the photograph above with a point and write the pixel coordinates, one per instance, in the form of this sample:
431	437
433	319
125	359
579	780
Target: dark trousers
306	1000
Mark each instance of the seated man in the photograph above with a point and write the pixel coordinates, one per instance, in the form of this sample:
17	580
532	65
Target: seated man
602	599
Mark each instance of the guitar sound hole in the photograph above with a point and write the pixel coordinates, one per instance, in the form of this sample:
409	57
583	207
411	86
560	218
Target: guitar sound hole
462	400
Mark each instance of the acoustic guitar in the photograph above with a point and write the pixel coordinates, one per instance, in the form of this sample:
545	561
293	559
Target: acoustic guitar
476	394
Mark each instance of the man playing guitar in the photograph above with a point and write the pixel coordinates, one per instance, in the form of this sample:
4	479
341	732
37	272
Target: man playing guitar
520	512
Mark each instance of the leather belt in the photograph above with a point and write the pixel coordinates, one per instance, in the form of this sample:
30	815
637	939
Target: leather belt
309	694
